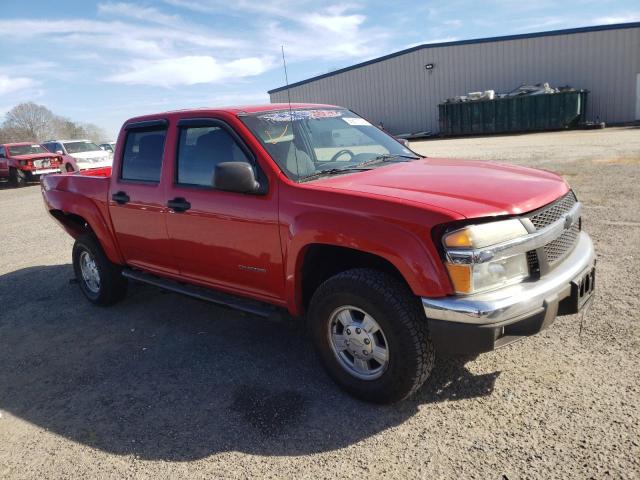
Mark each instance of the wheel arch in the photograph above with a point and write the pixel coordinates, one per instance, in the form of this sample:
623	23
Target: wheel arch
78	215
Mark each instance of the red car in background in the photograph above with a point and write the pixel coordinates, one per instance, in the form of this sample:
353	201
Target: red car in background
26	162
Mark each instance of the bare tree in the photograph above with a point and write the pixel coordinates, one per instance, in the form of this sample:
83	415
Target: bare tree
29	122
94	133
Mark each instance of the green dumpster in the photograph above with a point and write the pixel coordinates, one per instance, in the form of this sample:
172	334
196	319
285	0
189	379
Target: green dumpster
525	113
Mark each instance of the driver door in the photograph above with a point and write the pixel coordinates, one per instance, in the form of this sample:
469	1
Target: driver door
225	240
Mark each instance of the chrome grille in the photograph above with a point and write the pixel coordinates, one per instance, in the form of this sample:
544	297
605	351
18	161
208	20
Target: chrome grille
45	162
561	246
554	211
557	249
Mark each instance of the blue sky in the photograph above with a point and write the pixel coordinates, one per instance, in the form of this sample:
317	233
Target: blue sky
105	61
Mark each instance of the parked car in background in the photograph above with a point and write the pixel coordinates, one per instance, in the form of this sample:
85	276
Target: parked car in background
26	162
108	147
79	154
311	211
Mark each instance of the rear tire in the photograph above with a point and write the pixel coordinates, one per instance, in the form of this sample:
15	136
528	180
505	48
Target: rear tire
100	280
17	178
389	353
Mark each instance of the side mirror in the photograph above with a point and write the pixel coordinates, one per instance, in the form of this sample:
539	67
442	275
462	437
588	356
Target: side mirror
59	152
235	177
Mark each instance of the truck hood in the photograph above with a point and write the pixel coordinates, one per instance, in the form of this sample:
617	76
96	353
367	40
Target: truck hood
36	156
469	188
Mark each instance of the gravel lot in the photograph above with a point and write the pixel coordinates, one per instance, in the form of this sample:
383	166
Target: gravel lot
164	386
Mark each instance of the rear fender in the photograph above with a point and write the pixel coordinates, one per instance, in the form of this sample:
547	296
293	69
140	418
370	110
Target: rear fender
66	207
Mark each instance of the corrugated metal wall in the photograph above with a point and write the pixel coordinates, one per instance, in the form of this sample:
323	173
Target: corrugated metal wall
402	94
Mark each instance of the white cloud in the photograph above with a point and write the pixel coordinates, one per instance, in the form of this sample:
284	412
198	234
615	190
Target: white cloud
306	30
146	45
431	41
191	70
625	18
138	12
145	41
15	84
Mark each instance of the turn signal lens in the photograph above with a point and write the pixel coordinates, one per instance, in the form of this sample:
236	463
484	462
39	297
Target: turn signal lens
461	277
459	239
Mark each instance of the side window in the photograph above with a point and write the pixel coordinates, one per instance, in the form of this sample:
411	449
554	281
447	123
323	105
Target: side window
49	147
2	154
201	149
142	158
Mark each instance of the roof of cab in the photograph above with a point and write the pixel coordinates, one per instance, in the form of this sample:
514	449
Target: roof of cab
236	110
15	144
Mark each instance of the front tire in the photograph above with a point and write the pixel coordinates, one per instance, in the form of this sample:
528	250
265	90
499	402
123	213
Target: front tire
371	335
100	281
17	178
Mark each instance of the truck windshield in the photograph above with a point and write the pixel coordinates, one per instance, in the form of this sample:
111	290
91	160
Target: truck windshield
15	150
79	147
310	143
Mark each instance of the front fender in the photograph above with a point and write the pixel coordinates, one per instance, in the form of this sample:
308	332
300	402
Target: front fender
408	251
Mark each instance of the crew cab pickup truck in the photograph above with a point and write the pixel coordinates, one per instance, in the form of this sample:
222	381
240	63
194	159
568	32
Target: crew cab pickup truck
26	162
309	212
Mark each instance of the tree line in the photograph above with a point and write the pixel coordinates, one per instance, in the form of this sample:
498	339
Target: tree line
30	122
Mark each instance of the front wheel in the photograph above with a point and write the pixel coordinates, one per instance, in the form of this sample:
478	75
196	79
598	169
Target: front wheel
371	335
17	178
100	280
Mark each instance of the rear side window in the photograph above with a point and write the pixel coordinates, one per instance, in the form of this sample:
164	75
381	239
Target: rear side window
201	149
142	158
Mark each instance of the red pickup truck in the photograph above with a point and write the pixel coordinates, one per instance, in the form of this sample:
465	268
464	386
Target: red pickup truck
26	162
310	212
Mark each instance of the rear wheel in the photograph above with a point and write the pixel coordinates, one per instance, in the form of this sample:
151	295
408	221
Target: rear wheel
17	178
100	280
371	335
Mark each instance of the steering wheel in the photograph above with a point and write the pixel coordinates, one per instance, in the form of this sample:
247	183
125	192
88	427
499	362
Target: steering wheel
342	152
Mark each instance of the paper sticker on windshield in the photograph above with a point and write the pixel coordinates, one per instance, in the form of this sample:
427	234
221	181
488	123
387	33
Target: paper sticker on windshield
293	115
357	122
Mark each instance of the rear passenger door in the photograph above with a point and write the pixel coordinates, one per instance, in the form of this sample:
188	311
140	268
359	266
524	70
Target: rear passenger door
225	240
137	202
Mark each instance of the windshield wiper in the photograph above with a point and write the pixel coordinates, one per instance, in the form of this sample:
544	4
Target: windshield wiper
387	157
333	171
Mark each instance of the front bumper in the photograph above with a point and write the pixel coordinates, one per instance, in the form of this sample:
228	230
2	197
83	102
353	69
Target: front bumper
482	322
93	165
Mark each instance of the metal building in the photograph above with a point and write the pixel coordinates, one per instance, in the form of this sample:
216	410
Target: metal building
402	90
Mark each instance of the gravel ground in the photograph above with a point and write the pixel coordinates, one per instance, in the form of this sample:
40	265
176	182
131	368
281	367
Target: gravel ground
163	386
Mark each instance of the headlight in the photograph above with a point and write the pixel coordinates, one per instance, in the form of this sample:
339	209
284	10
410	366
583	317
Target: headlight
468	273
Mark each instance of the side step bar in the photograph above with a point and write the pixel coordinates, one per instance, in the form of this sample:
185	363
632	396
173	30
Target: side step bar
254	307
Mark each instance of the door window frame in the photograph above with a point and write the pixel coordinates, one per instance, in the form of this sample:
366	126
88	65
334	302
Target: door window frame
144	126
203	122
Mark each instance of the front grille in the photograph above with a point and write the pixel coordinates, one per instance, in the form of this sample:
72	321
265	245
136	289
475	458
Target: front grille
557	249
554	211
45	162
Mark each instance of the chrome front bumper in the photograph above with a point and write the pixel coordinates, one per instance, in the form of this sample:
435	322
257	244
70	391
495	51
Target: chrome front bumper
517	301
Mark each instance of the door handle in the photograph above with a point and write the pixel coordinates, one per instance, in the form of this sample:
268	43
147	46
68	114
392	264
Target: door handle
178	204
120	198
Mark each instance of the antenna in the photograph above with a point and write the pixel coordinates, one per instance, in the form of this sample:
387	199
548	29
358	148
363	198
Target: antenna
286	79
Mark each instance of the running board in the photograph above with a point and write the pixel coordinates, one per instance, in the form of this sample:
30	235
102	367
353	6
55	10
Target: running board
254	307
